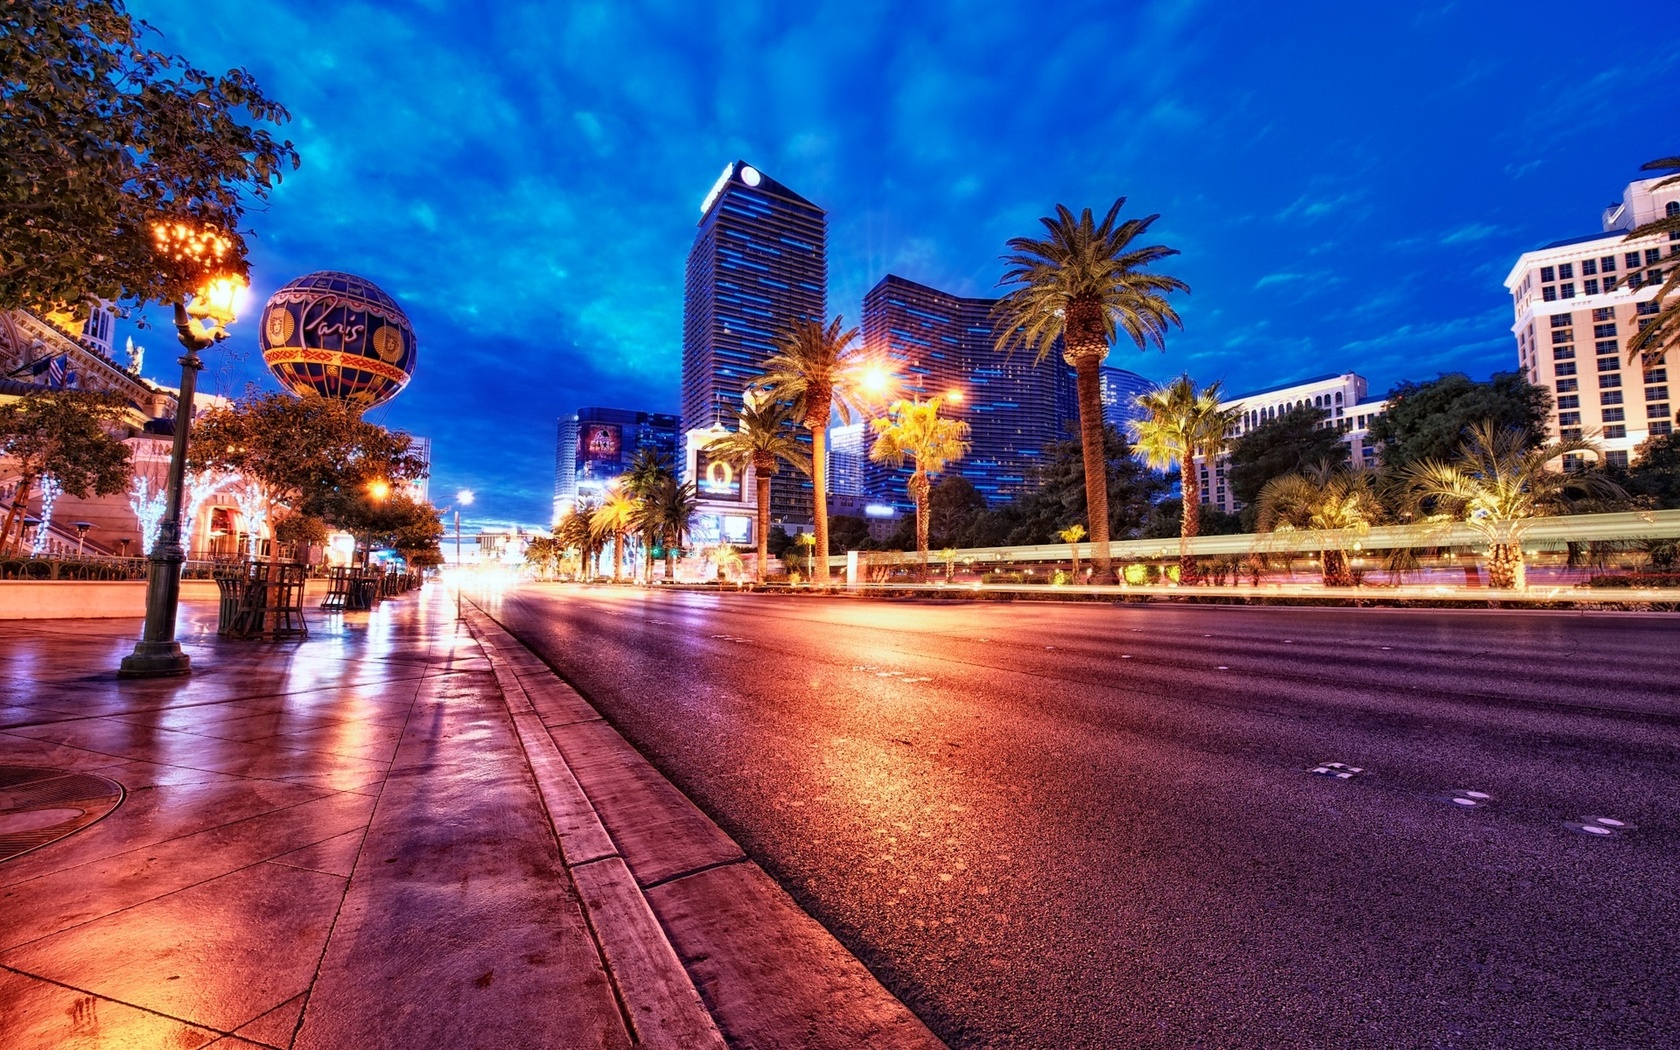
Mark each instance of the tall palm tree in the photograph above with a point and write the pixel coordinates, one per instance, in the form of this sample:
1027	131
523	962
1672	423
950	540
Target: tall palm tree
1083	284
669	509
1323	498
614	517
648	470
1662	334
764	439
914	430
1179	423
1497	485
817	369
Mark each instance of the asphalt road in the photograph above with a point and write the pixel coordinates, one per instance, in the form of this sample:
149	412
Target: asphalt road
1052	825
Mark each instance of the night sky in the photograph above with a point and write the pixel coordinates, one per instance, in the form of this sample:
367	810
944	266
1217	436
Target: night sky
1349	184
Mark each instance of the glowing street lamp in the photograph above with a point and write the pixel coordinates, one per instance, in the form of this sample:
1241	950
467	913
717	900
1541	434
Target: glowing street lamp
463	498
200	323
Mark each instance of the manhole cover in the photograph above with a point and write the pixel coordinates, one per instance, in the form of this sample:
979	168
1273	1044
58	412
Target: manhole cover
38	806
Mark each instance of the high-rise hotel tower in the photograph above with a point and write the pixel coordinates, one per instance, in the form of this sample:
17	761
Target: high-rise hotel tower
941	343
1576	304
759	263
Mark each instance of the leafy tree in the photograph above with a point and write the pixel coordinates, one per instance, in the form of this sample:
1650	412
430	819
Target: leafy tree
102	137
1497	484
1662	334
1179	424
914	430
846	532
313	455
1655	475
763	439
64	434
1292	442
817	370
1431	420
1165	521
1323	498
1082	285
955	507
300	530
1059	499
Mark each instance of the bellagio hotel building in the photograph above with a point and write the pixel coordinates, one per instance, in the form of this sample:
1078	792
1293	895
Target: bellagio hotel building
1578	302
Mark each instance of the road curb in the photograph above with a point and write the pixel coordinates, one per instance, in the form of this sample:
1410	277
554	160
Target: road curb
673	901
661	1005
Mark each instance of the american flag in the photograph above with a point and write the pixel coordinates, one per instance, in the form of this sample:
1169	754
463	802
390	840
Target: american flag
55	372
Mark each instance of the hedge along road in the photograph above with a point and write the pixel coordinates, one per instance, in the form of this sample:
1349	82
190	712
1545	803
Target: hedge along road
1066	825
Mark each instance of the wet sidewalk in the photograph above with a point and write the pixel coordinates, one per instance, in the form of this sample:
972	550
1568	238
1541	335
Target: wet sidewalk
396	833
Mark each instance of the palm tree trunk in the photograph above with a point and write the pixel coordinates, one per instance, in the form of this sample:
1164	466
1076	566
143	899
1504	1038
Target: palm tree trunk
1337	572
819	508
1506	570
762	485
1189	517
618	557
1089	383
919	492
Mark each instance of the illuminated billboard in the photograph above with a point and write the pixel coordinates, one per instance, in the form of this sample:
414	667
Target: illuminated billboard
716	479
600	442
706	530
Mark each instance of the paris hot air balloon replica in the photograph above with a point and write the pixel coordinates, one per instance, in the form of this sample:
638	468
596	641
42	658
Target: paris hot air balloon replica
338	335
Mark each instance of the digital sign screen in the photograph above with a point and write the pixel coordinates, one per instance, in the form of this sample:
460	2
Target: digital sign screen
600	443
716	479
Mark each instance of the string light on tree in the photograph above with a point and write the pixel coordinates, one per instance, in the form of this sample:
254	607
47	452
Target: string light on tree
50	489
148	506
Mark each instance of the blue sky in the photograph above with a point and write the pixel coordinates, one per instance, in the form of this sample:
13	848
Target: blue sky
1349	184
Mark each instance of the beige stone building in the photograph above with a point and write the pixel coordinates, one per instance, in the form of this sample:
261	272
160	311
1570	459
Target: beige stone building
1347	404
1577	302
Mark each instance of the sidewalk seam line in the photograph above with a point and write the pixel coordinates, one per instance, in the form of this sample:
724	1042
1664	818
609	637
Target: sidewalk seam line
624	1014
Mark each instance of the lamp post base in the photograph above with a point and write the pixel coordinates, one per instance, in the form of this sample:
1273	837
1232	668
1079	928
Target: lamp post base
155	660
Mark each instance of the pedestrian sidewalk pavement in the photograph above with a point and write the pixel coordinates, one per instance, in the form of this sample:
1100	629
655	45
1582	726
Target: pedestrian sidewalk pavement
404	831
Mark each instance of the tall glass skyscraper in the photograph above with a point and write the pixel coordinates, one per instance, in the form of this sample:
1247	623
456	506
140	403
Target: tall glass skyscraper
759	263
1120	391
942	343
595	445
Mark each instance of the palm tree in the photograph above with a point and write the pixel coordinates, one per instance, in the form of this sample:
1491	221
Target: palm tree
614	517
1180	423
817	370
1323	498
726	559
1083	284
669	509
573	531
647	471
1662	334
1071	536
764	439
914	430
1497	486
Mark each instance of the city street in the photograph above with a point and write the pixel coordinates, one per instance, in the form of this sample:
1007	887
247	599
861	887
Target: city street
1057	825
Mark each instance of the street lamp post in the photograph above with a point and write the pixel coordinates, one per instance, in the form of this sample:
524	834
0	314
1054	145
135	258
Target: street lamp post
463	498
200	325
82	528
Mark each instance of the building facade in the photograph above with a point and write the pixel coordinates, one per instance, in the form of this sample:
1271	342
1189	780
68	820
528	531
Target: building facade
1580	300
1348	406
944	345
596	445
1120	391
759	263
